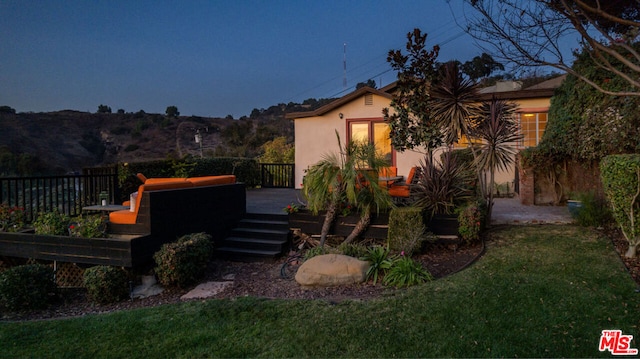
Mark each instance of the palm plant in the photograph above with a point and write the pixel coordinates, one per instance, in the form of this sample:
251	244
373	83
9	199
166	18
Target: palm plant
352	177
498	130
454	102
455	108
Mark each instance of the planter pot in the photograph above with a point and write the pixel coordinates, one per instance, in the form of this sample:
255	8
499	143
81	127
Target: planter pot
122	252
343	225
574	208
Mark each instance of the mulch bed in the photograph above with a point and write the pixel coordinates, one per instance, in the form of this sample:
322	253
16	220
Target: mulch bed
263	279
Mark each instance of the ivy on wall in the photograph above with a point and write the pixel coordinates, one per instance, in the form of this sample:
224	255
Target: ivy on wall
585	124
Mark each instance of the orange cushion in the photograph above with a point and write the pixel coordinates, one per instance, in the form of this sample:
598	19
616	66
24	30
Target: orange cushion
212	180
142	177
412	173
130	218
123	217
399	191
388	171
163	180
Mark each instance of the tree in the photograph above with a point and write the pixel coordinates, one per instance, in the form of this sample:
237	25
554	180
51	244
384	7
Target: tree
278	151
453	101
172	111
104	109
498	130
7	109
586	125
337	179
533	32
481	67
255	113
370	83
447	107
411	124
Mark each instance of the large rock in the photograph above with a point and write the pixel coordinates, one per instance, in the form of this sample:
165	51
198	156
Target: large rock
331	270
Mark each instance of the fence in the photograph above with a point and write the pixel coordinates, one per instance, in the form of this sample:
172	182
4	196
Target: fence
67	194
277	175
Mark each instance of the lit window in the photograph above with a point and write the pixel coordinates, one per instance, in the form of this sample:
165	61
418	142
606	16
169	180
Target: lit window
533	125
376	132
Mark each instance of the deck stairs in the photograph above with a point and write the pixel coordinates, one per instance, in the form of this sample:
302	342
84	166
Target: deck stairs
257	237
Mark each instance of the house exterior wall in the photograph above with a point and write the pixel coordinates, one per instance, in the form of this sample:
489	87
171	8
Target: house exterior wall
524	105
315	136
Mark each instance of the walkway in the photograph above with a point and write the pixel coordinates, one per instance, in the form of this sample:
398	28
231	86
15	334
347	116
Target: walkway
505	210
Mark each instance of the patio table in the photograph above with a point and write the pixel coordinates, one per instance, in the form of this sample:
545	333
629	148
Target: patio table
105	208
390	180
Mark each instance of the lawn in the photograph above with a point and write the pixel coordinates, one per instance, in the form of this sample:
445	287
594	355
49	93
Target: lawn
540	291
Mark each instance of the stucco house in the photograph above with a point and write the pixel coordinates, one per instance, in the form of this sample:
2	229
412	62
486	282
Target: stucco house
358	116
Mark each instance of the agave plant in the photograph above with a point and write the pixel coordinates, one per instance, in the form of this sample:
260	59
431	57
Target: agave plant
352	177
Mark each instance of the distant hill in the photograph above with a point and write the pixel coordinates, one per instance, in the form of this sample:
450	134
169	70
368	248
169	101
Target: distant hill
67	141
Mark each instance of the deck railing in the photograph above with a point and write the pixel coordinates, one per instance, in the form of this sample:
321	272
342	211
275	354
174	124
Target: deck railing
66	194
277	175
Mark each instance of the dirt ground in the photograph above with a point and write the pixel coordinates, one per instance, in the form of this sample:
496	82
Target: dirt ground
264	279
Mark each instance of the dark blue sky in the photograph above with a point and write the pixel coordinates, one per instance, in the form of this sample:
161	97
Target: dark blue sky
208	58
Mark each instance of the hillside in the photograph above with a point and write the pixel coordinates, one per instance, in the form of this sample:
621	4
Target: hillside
67	141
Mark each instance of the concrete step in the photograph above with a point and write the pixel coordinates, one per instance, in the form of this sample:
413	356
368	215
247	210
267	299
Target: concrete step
247	255
256	243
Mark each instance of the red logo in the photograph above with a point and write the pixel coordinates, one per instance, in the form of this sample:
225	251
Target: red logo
616	343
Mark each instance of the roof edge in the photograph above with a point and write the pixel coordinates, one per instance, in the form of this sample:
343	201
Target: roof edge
337	103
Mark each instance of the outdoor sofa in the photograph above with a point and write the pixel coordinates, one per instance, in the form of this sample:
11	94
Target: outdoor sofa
175	206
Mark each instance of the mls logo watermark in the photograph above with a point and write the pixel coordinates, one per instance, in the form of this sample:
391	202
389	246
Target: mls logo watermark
617	343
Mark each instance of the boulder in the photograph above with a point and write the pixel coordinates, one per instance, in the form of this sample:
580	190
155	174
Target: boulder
331	270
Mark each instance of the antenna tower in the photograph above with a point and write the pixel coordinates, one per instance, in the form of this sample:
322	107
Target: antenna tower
344	65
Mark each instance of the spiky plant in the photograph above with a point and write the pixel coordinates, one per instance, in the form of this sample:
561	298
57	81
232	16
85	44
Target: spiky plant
440	188
454	103
351	176
498	129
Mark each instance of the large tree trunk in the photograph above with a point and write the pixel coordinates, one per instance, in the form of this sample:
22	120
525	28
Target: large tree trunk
490	198
361	226
631	252
332	212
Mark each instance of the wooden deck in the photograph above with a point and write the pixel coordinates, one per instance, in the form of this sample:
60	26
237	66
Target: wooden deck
168	214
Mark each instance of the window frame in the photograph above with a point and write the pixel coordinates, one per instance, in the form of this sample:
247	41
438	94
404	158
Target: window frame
536	112
370	121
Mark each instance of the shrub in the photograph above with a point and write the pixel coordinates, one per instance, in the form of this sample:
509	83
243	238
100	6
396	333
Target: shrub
318	251
93	226
380	261
620	179
52	223
29	286
355	250
471	219
594	210
406	229
106	284
12	219
182	262
405	272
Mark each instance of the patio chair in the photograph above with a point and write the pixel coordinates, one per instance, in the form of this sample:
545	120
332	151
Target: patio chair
401	191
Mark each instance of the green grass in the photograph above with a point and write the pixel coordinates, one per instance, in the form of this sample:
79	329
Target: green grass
540	291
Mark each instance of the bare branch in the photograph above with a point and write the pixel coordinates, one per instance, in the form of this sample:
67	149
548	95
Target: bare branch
531	33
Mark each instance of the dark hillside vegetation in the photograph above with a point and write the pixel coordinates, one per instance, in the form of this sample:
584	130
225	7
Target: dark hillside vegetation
67	141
